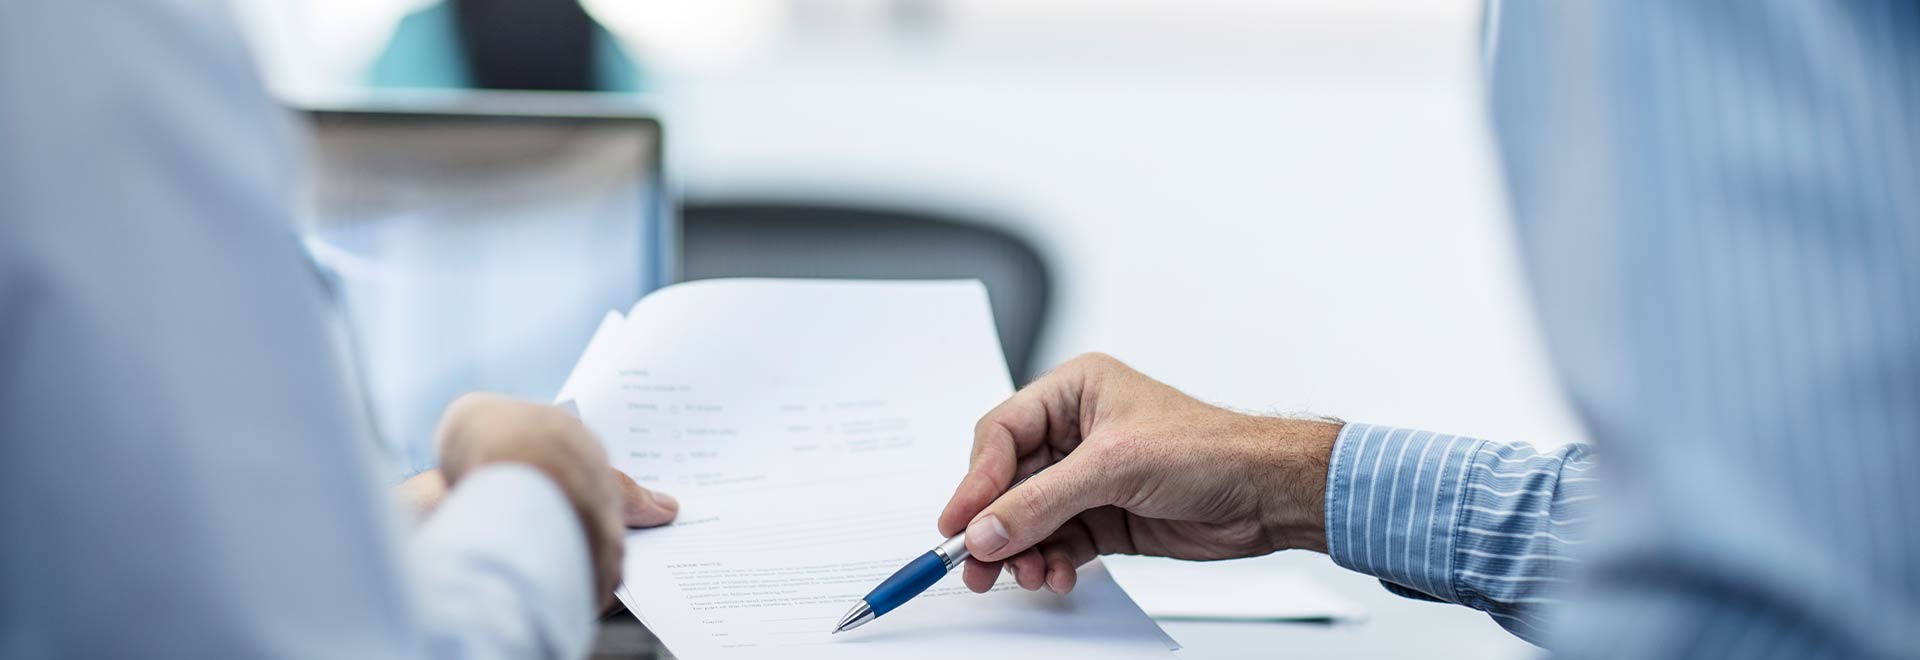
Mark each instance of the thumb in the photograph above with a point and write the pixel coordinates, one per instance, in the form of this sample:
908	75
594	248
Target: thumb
1033	510
640	507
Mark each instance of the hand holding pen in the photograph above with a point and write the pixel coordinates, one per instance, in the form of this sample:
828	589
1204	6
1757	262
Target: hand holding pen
1131	466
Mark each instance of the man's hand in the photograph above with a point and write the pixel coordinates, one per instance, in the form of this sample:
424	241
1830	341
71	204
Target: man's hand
1133	467
479	429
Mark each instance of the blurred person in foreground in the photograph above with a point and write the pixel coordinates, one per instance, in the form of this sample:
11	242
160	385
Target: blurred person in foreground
181	473
1719	205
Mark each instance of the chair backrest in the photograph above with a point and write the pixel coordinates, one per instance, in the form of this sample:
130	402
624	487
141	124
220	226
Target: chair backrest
858	242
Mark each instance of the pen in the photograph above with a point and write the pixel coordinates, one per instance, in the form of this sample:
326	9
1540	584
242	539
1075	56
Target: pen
911	579
906	583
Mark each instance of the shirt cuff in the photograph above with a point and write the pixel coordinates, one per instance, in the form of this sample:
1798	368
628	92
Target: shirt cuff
504	568
1393	499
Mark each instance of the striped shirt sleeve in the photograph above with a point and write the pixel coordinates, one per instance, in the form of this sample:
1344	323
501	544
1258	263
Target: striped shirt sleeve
1461	520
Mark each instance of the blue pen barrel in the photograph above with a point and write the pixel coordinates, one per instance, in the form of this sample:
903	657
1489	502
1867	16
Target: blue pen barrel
906	583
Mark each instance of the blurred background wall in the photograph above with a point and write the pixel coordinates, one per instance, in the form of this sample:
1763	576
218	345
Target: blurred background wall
1278	205
1285	204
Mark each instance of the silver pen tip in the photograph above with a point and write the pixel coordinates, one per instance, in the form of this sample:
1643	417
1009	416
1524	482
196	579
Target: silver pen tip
858	616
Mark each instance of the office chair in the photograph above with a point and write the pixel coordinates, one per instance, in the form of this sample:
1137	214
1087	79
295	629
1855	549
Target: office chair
721	239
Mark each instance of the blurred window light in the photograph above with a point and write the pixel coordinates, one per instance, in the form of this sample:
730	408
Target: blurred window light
693	35
328	44
319	44
1100	11
1210	23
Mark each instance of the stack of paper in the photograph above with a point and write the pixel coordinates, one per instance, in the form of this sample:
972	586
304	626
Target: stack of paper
812	431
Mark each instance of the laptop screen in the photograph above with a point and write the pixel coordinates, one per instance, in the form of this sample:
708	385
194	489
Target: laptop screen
477	252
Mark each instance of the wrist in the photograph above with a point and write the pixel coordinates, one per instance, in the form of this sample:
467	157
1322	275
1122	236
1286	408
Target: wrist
1293	473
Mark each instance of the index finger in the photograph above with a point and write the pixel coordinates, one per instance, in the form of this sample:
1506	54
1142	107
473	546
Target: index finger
1045	410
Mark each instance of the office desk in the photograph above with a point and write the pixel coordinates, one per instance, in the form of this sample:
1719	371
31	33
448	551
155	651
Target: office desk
1243	218
1396	628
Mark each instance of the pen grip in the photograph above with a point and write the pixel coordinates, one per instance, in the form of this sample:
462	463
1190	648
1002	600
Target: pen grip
906	583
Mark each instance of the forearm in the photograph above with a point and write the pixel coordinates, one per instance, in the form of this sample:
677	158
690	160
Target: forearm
1484	524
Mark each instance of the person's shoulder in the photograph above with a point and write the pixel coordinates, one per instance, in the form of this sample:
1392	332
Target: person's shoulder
618	70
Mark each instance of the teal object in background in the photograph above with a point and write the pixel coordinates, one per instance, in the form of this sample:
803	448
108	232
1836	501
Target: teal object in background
426	53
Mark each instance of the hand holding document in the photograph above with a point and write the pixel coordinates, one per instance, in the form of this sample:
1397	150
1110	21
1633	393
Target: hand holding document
812	432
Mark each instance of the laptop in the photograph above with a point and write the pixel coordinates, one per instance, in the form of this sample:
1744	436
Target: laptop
473	241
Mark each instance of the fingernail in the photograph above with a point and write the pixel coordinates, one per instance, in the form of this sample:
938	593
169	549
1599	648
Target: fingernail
666	500
986	535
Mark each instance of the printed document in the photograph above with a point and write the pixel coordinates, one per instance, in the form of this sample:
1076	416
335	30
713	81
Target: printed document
812	431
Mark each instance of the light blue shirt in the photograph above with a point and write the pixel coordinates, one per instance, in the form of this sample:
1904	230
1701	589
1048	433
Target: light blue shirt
181	473
1719	207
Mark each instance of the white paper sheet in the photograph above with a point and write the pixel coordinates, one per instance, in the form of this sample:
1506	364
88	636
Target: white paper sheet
812	431
594	358
1241	590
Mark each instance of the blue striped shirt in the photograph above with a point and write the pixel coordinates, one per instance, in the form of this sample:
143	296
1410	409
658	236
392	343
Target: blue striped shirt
1463	520
1719	210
